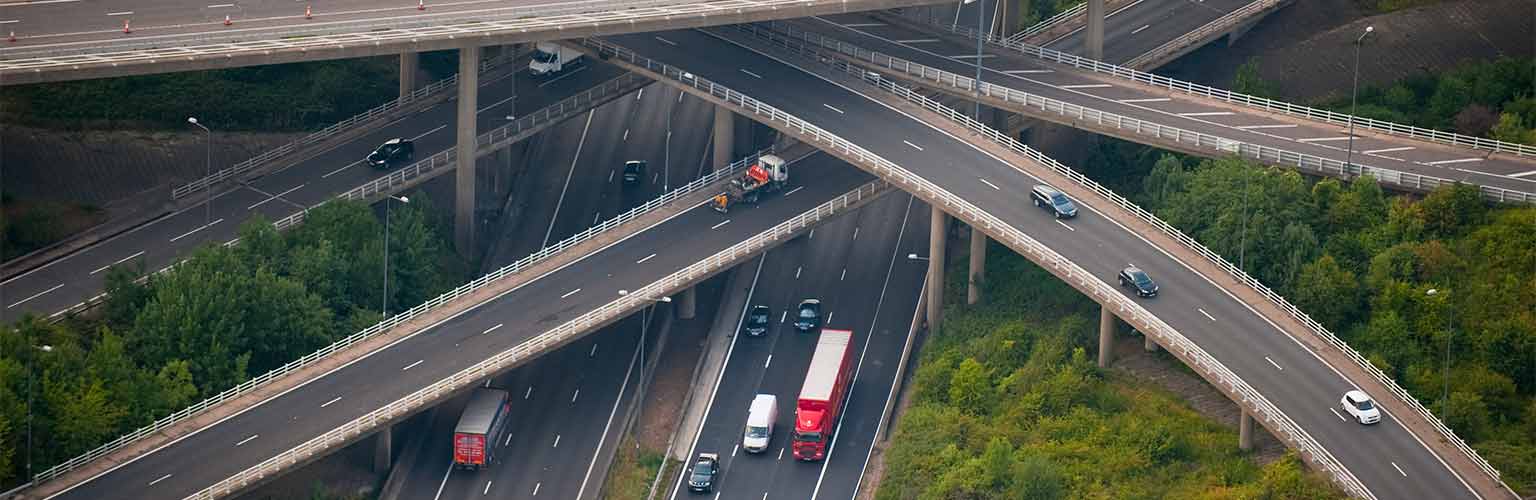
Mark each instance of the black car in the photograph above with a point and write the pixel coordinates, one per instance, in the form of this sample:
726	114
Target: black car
392	153
705	469
1053	201
1138	280
634	172
757	321
809	316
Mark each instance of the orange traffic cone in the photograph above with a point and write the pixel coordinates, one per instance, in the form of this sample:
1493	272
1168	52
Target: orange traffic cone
421	4
307	15
126	27
227	22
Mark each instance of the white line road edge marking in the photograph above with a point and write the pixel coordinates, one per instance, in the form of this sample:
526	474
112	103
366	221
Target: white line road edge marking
124	13
754	75
989	184
1027	71
1336	414
557	441
769	361
487	489
918	40
119	261
1523	174
972	56
914	146
1399	469
792	191
492	329
162	478
1063	224
570	293
38	294
666	41
275	196
1447	162
1207	315
430	132
528	393
1149	99
199	228
1273	363
1388	150
536	488
1323	139
1138	30
247	440
797	272
575	395
337	171
784	316
574	159
843	276
829	106
328	403
413	365
1206	113
717	226
646	258
1086	86
1257	127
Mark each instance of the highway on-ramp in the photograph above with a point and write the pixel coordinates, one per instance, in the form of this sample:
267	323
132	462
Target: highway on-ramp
1292	377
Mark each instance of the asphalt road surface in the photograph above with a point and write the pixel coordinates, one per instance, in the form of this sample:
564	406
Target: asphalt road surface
1200	115
235	443
67	281
857	266
1143	25
1281	368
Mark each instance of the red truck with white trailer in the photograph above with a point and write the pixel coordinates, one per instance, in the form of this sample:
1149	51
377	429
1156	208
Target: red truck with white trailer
823	394
482	422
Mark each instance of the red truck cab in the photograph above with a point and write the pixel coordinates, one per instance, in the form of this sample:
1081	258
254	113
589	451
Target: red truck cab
823	394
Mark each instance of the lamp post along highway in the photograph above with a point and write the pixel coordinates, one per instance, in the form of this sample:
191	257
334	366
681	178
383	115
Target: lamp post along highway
385	307
208	167
645	319
1354	94
980	20
30	364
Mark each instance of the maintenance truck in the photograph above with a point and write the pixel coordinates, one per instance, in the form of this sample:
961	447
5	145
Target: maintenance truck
768	175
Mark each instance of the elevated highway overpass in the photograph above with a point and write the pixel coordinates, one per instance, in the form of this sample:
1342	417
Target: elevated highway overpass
58	40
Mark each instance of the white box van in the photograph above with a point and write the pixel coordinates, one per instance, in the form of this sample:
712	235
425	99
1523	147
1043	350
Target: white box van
760	419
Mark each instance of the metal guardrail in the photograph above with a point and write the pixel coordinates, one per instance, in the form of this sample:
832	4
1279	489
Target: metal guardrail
1216	144
1041	26
1214	28
1236	273
1281	107
555	337
534	258
1131	311
320	135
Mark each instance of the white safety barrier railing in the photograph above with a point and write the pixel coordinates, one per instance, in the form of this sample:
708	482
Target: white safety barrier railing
430	90
560	335
1059	18
1210	30
1130	310
522	264
1282	107
415	27
1217	145
804	46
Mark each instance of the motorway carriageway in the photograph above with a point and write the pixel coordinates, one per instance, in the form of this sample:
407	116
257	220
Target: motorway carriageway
1391	462
324	403
1143	25
72	279
857	265
1114	95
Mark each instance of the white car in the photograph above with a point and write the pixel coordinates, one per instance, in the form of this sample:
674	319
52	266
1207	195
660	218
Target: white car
1360	406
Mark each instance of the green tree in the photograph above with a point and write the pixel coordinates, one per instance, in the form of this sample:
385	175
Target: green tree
970	389
82	414
1248	81
1328	292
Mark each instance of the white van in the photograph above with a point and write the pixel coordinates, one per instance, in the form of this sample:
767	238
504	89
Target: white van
760	418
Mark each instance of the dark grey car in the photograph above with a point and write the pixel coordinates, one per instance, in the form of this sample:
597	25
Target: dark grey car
1138	280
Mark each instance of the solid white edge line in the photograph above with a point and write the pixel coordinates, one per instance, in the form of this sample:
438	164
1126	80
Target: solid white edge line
906	351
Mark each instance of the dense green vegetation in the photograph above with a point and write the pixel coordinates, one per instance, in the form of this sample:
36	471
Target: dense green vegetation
29	225
222	316
1031	12
286	97
1361	262
1007	403
634	469
1494	99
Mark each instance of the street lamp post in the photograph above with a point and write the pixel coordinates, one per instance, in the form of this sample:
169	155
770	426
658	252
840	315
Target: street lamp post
1354	95
645	320
208	167
1445	373
980	21
387	198
30	362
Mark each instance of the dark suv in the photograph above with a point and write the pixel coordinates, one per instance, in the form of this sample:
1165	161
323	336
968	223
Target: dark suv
1053	201
1138	280
392	153
634	172
705	469
757	321
809	316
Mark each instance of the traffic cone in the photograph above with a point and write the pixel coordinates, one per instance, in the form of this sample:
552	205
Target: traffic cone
421	4
126	27
227	22
307	15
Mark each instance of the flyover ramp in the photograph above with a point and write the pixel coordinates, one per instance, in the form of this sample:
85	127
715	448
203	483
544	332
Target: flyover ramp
1222	326
1129	109
382	379
69	40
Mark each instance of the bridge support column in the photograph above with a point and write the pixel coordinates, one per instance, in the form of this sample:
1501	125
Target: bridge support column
978	266
1147	343
383	448
409	62
687	303
464	173
1106	336
725	137
938	232
1009	18
1093	39
1245	430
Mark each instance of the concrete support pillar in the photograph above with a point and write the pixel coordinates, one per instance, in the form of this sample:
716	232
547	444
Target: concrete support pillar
687	306
1010	19
409	62
1106	336
1148	344
1245	431
1093	39
725	137
978	266
938	232
383	448
464	173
